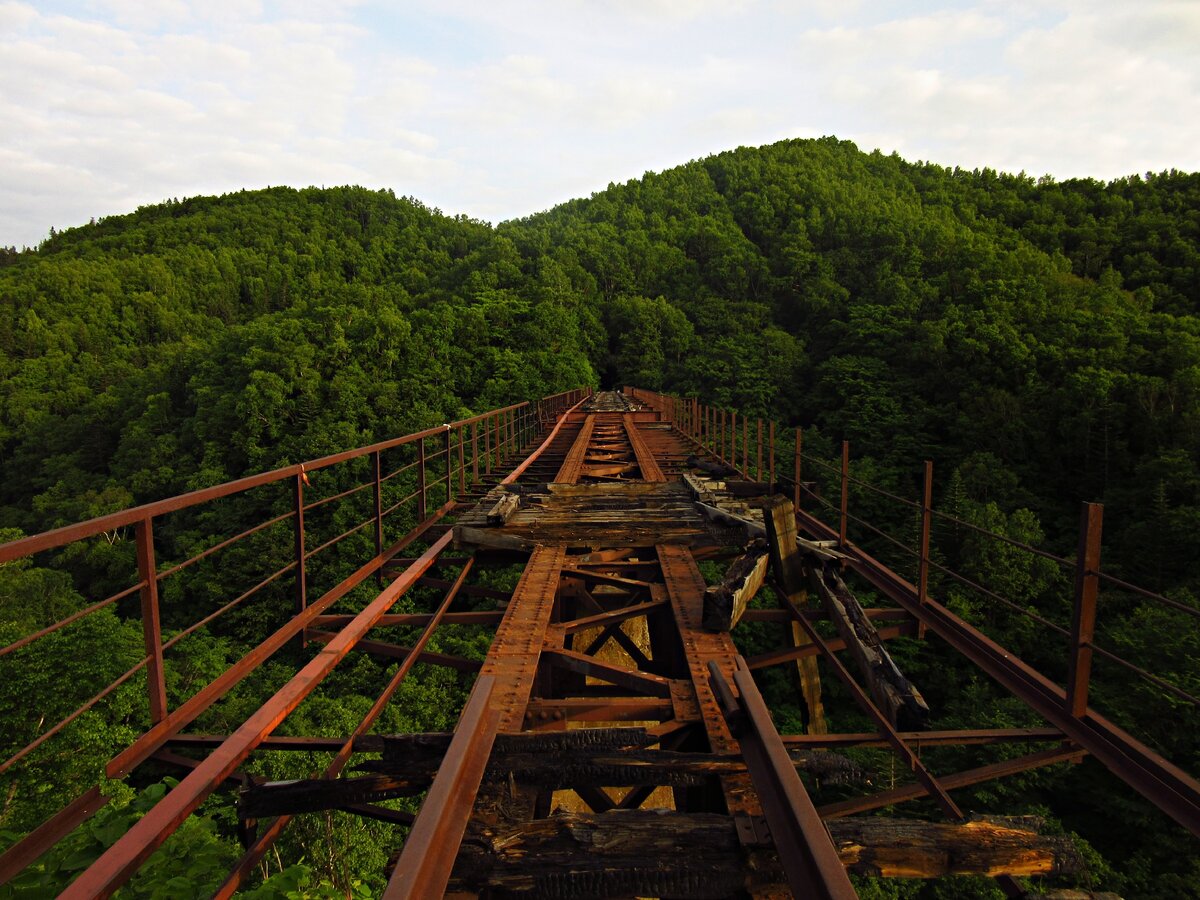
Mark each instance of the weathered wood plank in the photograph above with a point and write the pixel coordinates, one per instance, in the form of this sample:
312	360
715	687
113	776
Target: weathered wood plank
725	603
779	517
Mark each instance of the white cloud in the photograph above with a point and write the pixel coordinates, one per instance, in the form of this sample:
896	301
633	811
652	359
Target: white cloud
498	110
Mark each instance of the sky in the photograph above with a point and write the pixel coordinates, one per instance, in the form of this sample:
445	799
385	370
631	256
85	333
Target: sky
504	108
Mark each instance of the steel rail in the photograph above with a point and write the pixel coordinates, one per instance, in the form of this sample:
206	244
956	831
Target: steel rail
74	617
122	859
270	579
806	850
262	844
262	526
48	540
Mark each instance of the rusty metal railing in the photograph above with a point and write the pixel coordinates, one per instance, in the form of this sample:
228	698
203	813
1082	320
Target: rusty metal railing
753	447
413	481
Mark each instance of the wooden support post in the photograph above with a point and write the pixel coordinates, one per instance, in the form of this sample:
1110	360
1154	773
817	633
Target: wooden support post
1083	618
845	493
779	517
151	629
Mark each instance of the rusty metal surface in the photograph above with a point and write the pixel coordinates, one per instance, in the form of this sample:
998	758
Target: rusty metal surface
572	466
805	847
425	864
617	458
641	450
684	588
517	646
123	858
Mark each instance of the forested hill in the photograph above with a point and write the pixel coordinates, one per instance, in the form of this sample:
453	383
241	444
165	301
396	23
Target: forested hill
1044	335
1039	341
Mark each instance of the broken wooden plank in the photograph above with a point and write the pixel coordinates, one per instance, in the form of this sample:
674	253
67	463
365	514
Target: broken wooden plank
894	694
724	603
661	853
503	509
779	517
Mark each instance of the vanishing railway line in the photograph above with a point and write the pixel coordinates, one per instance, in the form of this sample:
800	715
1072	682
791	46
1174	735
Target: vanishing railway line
614	742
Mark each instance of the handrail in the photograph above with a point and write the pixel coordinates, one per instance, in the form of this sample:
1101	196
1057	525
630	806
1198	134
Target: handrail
717	431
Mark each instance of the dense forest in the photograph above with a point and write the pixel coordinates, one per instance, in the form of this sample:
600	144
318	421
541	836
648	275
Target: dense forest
1039	340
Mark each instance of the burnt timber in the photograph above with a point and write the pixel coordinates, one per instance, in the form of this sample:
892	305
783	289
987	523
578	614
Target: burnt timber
612	744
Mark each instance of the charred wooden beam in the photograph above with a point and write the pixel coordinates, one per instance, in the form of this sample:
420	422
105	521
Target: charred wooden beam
893	693
724	603
585	758
662	853
716	469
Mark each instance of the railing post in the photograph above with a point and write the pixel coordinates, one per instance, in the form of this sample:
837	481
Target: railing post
487	446
923	560
758	466
1083	618
301	562
462	462
771	455
421	499
449	480
733	438
474	453
377	459
156	686
796	470
745	448
845	492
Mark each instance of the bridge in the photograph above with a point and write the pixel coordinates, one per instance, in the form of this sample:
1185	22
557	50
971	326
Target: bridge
614	742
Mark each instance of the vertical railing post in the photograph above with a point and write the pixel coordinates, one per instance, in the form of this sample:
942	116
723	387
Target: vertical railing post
771	455
926	527
421	498
758	466
487	446
156	685
474	453
462	462
300	542
449	480
377	461
845	492
733	438
745	447
796	492
377	466
1083	618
